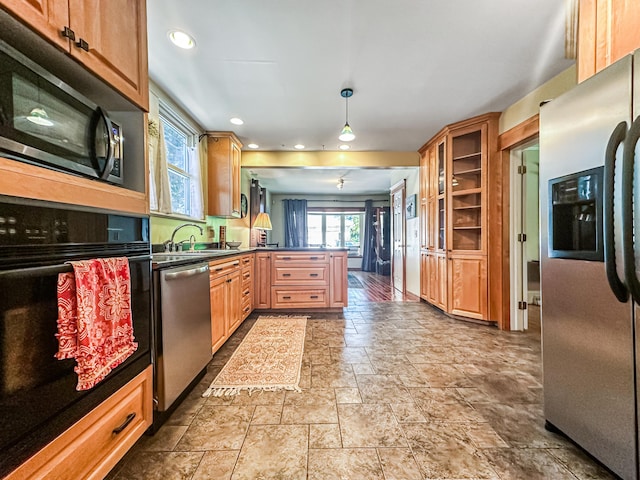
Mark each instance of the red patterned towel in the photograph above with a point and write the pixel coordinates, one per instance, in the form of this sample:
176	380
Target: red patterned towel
94	317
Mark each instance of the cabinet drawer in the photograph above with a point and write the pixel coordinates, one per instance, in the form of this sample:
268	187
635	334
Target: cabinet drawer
246	260
312	275
300	257
223	267
282	297
246	276
91	447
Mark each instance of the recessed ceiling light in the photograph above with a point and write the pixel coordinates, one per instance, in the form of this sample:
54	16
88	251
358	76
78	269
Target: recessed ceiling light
344	147
253	145
182	39
298	146
236	121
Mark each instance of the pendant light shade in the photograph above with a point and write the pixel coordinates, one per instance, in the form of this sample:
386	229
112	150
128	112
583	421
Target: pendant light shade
347	134
262	222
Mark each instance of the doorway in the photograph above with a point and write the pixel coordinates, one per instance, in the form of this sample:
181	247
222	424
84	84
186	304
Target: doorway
398	229
525	236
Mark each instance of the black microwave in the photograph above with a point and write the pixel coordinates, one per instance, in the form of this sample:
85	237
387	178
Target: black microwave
46	122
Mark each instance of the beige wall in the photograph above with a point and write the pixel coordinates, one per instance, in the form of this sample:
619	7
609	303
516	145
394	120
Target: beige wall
529	105
330	159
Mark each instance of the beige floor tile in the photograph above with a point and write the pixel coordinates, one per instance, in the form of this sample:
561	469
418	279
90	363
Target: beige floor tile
407	412
324	436
529	463
160	466
369	426
216	465
399	464
267	415
455	463
306	414
164	439
217	428
340	464
273	452
456	400
348	395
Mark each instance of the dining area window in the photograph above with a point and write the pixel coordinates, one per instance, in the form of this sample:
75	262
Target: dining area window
341	229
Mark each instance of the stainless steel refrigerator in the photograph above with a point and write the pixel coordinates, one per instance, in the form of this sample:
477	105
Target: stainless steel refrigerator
590	263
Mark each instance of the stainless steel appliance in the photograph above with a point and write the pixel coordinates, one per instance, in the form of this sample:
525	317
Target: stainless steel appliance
46	122
38	396
182	330
590	288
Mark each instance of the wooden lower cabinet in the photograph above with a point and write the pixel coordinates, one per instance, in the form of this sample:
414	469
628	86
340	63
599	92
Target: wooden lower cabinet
436	273
299	279
225	294
468	286
91	447
338	282
246	307
424	276
262	283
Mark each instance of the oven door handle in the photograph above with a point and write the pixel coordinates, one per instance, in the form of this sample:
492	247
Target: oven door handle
53	269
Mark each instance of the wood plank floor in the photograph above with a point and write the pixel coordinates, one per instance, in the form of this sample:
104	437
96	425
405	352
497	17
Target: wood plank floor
376	288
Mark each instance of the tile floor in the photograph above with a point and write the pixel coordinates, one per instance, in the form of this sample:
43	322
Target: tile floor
391	390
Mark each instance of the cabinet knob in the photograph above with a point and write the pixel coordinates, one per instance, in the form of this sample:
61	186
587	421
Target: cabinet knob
82	44
68	33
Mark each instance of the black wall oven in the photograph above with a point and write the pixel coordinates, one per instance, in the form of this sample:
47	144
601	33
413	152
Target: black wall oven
38	397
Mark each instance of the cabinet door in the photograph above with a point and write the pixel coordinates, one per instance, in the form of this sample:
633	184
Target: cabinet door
424	276
235	179
218	299
48	17
234	300
468	286
607	31
262	283
338	295
115	32
442	285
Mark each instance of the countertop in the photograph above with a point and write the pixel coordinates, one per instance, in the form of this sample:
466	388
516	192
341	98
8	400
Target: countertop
168	260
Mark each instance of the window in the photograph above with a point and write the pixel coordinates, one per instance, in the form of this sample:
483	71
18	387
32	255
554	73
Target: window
335	229
183	165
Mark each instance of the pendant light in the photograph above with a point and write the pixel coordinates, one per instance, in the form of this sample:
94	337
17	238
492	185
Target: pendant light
347	134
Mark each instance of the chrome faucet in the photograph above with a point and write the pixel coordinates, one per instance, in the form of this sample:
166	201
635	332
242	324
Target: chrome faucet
169	245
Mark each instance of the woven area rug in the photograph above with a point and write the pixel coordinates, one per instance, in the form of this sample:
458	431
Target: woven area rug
269	358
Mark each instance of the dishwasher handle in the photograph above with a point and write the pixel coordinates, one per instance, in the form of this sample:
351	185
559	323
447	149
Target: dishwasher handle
186	273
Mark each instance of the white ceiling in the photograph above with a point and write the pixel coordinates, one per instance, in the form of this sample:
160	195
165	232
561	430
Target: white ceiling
414	65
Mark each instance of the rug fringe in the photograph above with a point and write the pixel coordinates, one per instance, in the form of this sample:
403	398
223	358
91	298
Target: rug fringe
231	391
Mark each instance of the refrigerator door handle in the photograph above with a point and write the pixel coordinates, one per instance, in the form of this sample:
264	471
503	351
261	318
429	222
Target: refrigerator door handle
628	167
617	286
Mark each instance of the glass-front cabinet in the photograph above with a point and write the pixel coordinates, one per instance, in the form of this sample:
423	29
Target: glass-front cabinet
454	266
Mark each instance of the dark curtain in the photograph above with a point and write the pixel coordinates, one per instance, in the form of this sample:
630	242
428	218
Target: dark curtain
369	238
295	223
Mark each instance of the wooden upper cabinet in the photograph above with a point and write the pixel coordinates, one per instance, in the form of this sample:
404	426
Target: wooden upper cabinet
115	32
49	17
109	37
607	31
224	174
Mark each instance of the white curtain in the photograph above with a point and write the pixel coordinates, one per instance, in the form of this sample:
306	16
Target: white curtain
159	192
197	204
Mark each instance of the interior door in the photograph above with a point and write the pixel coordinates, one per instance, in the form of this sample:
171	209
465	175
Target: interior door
398	236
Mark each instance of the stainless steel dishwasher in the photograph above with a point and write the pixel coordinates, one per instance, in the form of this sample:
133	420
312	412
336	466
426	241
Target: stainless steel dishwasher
182	330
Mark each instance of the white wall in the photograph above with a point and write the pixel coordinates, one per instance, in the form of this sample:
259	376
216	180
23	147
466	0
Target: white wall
412	270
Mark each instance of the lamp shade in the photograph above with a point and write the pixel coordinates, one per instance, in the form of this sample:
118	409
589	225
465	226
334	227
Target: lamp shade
263	222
